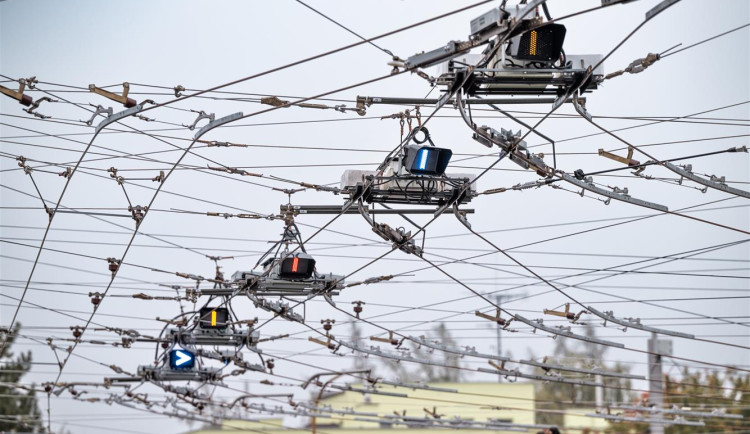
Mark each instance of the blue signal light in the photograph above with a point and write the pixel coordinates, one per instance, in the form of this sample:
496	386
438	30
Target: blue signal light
426	160
181	359
423	156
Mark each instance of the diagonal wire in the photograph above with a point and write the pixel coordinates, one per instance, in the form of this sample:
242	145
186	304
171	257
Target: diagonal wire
388	52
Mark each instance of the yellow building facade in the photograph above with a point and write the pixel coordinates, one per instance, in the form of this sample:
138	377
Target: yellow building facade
477	402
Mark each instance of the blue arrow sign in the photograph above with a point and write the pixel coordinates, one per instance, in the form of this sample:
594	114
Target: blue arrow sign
181	359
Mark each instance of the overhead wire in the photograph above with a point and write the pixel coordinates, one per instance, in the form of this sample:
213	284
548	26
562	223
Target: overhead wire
188	149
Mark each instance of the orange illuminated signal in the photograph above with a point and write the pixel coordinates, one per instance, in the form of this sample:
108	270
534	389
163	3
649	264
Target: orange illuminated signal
532	43
213	318
301	266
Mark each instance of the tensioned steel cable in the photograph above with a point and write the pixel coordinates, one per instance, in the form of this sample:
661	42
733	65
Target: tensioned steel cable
320	56
388	52
705	40
522	286
187	150
481	296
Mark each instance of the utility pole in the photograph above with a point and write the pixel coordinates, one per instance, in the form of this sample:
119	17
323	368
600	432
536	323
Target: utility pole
657	348
498	300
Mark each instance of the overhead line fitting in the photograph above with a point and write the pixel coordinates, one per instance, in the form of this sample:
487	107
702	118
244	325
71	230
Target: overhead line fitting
500	321
277	102
635	323
27	170
286	273
234	170
99	110
370	281
587	183
636	66
677	411
35	106
520	187
201	115
716	182
512	375
212	143
401	239
564	332
626	160
18	94
389	340
122	99
242	216
641	419
567	314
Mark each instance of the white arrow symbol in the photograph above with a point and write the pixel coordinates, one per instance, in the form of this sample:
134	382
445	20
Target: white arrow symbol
183	357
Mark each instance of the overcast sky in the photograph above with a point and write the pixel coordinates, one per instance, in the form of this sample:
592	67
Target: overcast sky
158	45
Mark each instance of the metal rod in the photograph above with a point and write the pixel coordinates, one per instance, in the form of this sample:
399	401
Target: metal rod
642	409
608	316
334	209
654	422
581	371
546	378
563	332
369	100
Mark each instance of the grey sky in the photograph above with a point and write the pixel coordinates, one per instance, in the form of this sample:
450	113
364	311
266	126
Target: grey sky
202	44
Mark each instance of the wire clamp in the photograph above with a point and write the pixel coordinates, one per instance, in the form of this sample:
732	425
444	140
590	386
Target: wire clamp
67	173
35	106
500	321
138	212
31	82
122	99
636	66
389	340
626	160
22	164
113	174
160	178
327	343
399	237
567	314
201	115
18	95
99	110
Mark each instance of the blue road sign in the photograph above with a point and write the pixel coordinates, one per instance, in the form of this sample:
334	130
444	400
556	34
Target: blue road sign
181	359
